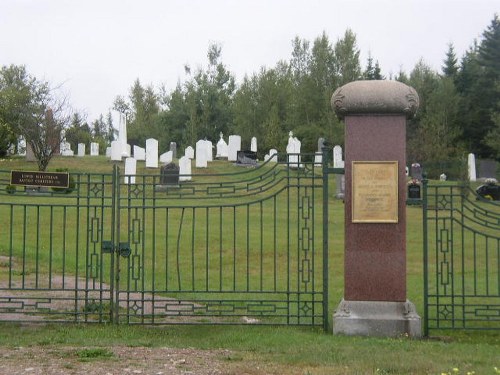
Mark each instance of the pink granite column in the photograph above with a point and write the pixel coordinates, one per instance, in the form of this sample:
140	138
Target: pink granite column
374	303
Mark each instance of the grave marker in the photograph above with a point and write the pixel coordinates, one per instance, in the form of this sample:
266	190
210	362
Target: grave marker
151	153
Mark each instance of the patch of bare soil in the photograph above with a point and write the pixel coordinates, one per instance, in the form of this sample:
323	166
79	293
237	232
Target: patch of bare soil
130	360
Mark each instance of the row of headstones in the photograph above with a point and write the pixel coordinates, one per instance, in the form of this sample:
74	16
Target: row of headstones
65	149
204	154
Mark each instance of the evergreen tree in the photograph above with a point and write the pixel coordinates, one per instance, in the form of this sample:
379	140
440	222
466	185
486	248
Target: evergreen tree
450	67
347	66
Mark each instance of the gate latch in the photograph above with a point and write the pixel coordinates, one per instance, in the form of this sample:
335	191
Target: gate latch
123	248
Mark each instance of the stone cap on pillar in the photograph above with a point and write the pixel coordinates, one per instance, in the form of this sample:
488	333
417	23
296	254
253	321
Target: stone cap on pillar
375	97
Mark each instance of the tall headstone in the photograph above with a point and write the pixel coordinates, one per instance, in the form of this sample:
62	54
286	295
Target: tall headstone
253	144
201	154
375	301
130	171
122	135
209	150
293	151
116	151
471	164
185	168
222	148
139	153
173	148
108	152
81	149
151	153
234	146
338	162
189	152
318	157
94	149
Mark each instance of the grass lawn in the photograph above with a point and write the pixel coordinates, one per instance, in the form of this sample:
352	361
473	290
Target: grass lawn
279	350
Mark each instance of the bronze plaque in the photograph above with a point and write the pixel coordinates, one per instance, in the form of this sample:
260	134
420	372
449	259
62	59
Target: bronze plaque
374	191
43	179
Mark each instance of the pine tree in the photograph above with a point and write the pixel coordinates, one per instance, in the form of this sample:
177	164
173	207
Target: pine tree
450	67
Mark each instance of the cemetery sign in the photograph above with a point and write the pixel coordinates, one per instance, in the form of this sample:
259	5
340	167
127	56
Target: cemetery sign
375	192
42	179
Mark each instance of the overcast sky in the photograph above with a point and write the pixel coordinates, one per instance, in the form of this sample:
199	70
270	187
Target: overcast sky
97	48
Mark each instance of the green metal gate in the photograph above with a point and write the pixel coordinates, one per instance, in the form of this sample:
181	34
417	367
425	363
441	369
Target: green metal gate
461	259
248	247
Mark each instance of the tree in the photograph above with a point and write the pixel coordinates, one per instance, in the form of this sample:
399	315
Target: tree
477	83
450	67
347	66
78	131
372	71
438	136
33	110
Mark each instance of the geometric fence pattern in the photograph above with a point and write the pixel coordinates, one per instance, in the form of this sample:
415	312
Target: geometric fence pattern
236	248
462	259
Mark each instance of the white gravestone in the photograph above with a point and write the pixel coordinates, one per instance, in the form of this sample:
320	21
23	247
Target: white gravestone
81	149
222	148
209	146
272	156
94	149
116	151
65	149
293	151
151	153
338	162
184	168
201	154
233	147
108	152
471	163
139	153
253	144
130	170
21	146
189	152
167	157
122	135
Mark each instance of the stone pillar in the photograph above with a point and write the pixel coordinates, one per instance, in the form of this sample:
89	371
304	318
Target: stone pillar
374	302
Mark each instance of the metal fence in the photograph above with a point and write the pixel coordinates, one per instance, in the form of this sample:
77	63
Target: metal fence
247	247
461	259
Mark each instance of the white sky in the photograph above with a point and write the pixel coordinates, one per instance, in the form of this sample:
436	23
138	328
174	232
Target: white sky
97	48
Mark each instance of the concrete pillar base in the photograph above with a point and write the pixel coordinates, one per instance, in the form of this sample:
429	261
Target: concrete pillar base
377	318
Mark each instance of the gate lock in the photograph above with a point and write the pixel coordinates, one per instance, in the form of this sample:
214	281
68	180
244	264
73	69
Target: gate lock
123	248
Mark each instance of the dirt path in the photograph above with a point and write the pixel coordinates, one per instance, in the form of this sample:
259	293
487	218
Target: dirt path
131	360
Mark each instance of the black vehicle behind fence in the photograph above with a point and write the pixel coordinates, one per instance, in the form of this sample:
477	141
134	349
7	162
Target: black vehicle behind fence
489	190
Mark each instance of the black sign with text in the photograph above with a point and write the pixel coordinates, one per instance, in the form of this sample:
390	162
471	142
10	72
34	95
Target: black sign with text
43	179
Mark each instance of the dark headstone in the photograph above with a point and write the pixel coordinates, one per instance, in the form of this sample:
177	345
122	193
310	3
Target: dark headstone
414	190
487	168
416	171
246	158
169	174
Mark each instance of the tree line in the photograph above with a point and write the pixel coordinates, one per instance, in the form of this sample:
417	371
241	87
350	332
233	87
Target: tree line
458	113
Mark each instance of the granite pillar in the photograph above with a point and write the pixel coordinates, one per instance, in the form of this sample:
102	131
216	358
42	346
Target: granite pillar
375	114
